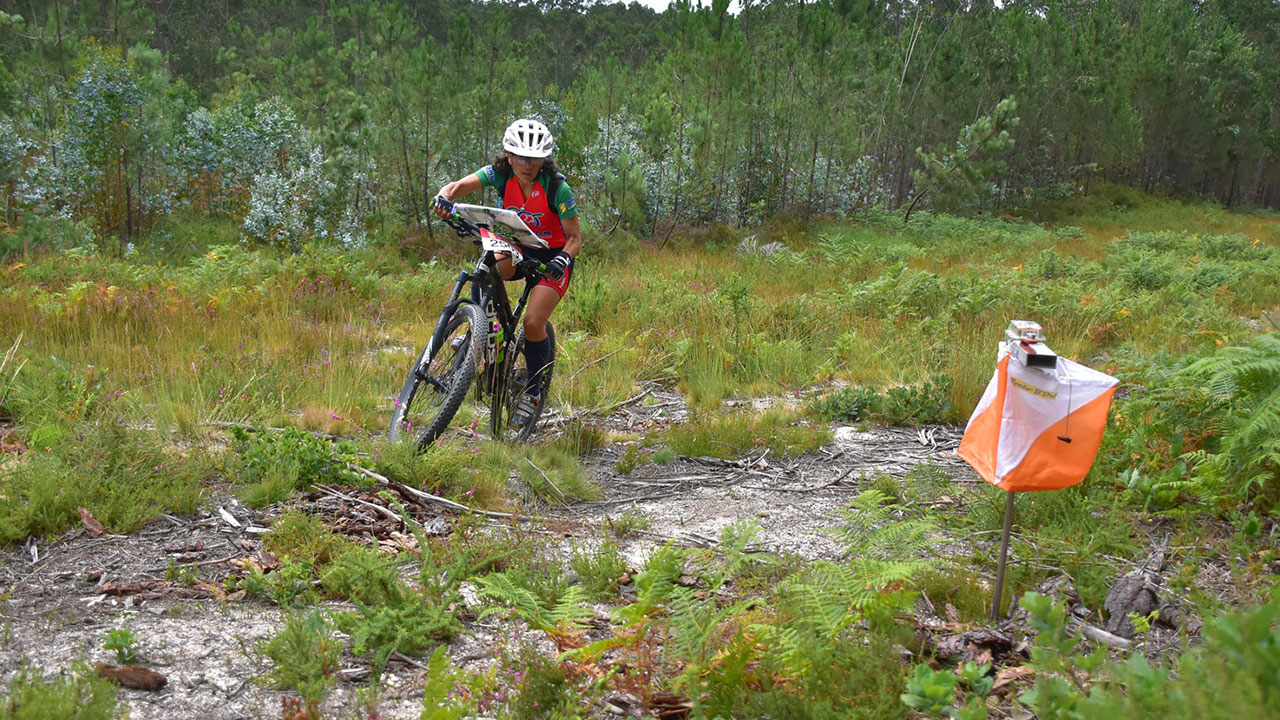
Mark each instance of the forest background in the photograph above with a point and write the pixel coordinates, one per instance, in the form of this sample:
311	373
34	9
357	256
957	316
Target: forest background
213	215
305	120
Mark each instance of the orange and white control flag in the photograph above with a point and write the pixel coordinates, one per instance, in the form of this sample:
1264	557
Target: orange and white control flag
1036	429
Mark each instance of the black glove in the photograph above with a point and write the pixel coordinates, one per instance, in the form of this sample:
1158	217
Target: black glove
558	265
443	206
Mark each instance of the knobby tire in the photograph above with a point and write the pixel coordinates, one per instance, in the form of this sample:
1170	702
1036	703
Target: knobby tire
444	383
507	395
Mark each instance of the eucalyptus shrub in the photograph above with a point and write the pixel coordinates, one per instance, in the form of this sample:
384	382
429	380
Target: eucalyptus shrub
226	149
13	149
287	206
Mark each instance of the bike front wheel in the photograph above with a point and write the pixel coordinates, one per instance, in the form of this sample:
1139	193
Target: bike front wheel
439	380
512	386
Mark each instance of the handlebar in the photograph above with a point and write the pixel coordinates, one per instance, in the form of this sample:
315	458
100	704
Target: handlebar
463	226
466	228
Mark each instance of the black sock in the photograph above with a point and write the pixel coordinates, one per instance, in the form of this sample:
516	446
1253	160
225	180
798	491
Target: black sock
536	354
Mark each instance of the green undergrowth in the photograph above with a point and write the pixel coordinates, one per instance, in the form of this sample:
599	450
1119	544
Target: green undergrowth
1067	531
782	433
321	338
1230	675
737	632
271	465
123	477
120	373
77	694
1200	427
927	402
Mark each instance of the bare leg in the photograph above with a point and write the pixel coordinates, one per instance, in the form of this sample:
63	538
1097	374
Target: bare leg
542	301
505	268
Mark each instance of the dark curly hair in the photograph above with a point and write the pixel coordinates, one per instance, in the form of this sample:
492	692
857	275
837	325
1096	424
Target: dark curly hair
502	166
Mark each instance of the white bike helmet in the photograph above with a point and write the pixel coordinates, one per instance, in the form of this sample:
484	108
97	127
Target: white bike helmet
528	138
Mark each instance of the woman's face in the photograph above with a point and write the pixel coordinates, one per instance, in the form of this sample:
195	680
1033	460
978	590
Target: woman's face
526	169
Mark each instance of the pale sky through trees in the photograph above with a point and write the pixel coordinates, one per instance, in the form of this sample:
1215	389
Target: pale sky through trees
661	5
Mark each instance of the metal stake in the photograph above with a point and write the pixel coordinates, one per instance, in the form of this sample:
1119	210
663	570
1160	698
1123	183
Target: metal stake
1004	556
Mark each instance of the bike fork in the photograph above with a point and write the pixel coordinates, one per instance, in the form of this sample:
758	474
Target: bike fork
437	336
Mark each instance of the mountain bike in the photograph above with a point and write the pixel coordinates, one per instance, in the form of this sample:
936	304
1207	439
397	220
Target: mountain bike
479	338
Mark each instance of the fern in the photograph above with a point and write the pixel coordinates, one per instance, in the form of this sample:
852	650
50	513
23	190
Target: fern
437	700
1248	380
828	603
695	619
569	614
884	546
655	587
734	540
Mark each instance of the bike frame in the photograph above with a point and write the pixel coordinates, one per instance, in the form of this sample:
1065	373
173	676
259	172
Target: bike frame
496	305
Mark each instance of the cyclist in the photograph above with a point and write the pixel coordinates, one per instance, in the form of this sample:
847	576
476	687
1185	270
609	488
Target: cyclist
528	182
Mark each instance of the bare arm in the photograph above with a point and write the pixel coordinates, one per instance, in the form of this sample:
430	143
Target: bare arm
460	188
572	236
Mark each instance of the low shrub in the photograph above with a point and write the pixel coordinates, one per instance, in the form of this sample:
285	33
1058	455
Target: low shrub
123	477
600	569
291	452
407	623
304	655
906	405
298	537
76	695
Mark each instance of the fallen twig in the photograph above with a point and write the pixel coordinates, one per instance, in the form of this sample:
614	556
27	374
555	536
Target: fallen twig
597	361
255	428
381	510
442	502
407	660
1099	635
625	501
563	500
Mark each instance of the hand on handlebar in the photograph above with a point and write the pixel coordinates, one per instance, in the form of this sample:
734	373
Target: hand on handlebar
443	207
558	265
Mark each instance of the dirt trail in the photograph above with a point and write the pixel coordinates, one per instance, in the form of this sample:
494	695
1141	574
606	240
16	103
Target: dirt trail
63	596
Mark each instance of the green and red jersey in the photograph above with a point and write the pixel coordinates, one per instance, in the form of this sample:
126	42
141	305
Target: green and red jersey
540	213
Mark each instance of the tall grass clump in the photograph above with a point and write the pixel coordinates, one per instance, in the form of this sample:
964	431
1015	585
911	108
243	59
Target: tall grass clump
782	433
123	477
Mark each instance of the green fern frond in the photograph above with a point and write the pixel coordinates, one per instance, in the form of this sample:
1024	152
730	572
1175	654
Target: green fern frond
499	588
877	528
593	651
825	610
571	612
655	585
1248	378
695	622
786	649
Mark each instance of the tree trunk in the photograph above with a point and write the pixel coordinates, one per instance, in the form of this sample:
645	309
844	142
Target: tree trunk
426	170
128	195
62	53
